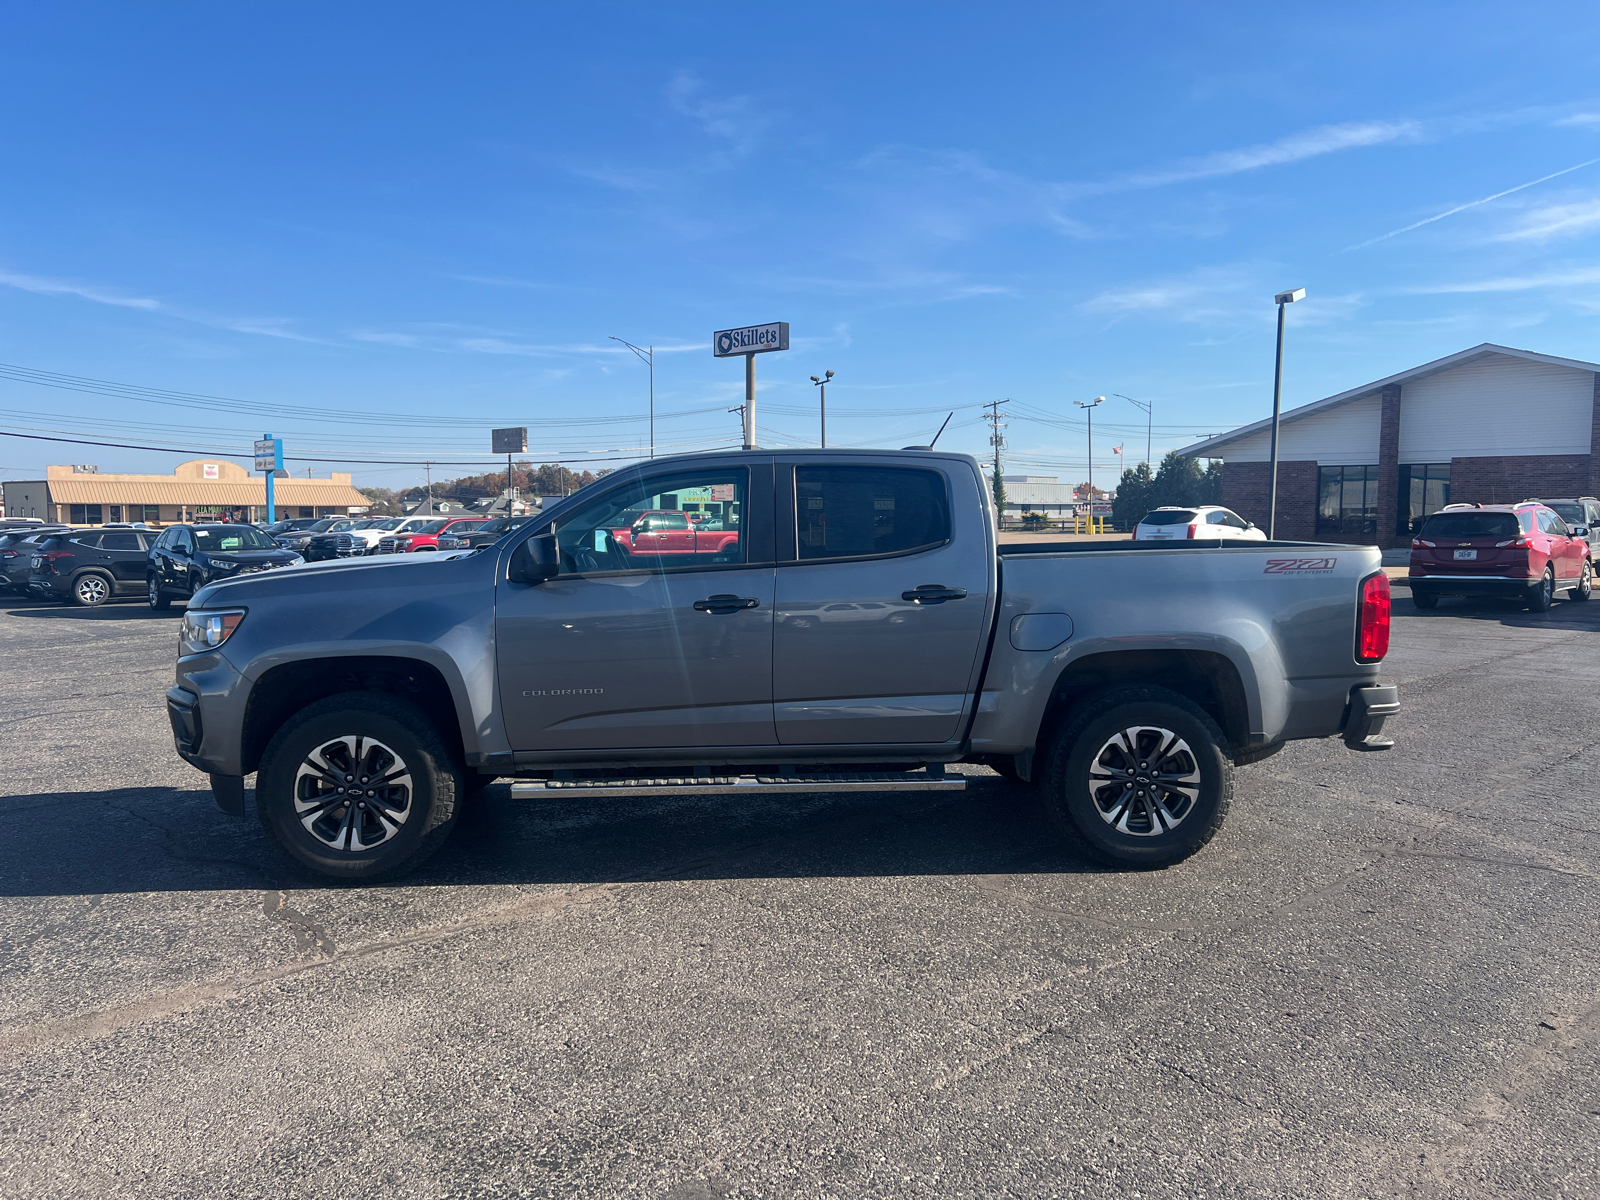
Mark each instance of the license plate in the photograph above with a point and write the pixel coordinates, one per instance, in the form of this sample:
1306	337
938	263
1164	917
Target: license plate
1466	555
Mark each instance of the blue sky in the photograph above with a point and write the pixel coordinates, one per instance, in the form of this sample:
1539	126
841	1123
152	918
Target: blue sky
382	229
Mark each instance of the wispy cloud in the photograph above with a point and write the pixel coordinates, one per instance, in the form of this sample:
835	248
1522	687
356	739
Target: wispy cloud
1573	277
1554	221
736	120
1582	120
1296	147
60	287
458	340
1450	212
274	327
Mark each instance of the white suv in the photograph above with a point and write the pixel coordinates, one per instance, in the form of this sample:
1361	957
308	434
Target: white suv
1204	522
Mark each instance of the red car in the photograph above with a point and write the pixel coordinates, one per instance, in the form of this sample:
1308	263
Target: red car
1520	551
664	532
426	537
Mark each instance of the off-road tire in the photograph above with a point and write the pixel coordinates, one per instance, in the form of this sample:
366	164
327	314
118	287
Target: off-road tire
1543	592
85	593
1080	741
436	784
1424	599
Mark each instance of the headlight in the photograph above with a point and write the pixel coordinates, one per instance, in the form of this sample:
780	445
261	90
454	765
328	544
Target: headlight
294	561
206	629
218	564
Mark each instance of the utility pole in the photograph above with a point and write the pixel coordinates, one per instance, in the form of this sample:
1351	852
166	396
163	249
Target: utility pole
822	392
998	441
1149	426
429	468
648	357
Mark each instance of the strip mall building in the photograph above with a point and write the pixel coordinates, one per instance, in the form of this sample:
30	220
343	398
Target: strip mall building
1491	425
204	489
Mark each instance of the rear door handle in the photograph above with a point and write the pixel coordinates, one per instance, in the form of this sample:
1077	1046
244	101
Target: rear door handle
933	593
725	603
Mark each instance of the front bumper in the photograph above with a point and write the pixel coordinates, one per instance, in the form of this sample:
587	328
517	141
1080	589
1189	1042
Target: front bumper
1471	585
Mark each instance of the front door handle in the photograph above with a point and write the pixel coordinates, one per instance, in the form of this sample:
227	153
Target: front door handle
933	593
725	603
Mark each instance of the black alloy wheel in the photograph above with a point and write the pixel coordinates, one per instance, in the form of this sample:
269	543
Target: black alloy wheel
1543	593
359	787
91	589
1141	775
159	601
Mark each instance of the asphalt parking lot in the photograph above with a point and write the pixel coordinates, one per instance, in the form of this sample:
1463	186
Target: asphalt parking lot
1382	978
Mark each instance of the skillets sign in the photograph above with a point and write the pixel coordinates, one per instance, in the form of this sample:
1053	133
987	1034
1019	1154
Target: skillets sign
752	339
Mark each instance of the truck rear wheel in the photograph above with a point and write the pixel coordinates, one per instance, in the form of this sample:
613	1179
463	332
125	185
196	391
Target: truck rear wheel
359	787
1141	775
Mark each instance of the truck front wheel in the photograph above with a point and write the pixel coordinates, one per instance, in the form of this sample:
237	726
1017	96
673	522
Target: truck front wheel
1141	775
358	787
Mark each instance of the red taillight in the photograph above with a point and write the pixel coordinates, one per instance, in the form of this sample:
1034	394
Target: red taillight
1372	625
1192	530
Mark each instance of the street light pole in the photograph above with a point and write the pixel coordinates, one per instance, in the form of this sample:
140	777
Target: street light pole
1149	426
822	393
1089	407
1281	299
648	357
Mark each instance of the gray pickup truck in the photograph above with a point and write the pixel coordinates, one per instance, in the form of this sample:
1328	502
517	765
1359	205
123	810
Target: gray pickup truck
862	629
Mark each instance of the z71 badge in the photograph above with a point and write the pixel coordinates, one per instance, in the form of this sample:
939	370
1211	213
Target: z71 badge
1299	566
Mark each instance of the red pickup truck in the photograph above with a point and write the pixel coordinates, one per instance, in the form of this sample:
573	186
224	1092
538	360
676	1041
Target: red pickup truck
664	532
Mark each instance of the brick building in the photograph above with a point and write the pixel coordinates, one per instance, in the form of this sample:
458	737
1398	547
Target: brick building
1492	424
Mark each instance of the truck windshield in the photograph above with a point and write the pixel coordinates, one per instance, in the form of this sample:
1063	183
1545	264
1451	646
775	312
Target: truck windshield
1470	525
1168	516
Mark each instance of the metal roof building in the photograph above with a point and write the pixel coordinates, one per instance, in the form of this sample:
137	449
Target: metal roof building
199	488
1492	424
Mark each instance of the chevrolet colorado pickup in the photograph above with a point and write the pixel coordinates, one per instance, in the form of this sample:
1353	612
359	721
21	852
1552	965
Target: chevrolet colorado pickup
863	631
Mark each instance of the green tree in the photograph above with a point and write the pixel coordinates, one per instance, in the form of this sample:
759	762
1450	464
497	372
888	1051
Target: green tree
1133	496
382	501
999	485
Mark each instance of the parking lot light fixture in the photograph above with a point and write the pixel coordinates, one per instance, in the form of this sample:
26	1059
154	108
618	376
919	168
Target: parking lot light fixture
1281	299
1088	407
822	393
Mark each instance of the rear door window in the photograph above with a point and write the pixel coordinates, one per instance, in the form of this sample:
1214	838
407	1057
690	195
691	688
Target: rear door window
120	541
856	512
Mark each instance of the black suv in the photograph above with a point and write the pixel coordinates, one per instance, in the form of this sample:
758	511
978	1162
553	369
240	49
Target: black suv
89	567
187	557
484	535
17	547
1582	516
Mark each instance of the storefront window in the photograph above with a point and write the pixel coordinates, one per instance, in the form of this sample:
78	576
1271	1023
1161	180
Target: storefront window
87	514
1424	490
1347	503
152	513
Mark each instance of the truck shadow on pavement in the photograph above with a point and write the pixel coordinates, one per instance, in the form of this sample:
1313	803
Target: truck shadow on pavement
151	839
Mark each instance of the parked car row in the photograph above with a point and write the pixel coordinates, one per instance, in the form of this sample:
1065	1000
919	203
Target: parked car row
89	567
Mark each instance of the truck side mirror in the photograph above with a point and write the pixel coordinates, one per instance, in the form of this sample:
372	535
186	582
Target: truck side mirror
535	560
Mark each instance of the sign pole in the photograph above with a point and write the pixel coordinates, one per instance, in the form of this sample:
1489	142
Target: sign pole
749	401
750	341
269	461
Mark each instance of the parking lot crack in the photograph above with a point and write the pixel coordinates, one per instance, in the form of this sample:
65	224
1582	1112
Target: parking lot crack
310	937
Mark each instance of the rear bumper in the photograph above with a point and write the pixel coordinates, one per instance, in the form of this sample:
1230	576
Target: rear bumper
1370	705
1471	585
